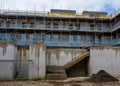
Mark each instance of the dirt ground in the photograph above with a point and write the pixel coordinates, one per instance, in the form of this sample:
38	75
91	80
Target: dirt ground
69	82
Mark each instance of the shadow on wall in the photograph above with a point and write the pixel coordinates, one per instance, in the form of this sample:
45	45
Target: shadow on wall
80	69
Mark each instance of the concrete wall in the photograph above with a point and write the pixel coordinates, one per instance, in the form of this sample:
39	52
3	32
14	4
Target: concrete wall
105	58
59	57
37	65
6	70
7	51
7	55
22	62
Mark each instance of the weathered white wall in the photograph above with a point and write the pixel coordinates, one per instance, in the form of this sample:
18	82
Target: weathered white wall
28	62
37	64
6	70
7	51
7	56
59	57
105	58
22	62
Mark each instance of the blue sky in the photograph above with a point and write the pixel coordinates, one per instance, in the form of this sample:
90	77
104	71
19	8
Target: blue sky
109	6
109	9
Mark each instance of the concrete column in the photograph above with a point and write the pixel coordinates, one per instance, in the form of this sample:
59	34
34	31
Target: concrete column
37	63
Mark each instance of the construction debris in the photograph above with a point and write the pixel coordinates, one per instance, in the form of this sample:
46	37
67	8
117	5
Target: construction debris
102	76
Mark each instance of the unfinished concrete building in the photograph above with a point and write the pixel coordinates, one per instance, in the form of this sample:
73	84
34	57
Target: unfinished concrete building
58	44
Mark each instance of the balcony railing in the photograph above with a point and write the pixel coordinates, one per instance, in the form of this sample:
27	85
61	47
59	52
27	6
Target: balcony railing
116	41
54	43
116	26
59	27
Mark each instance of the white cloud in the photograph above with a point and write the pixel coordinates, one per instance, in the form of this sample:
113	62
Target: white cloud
41	5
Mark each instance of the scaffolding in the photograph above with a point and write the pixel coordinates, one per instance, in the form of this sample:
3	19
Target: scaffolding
65	30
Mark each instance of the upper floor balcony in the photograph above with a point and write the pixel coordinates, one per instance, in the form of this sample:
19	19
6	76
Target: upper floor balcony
116	26
69	41
33	25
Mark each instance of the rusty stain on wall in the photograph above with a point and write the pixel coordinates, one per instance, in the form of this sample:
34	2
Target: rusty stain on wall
57	52
22	61
36	52
4	45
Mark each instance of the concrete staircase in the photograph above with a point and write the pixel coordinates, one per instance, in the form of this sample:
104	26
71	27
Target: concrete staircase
77	59
55	73
58	72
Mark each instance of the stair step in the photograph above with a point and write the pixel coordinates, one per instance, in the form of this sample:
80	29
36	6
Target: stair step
76	60
55	76
55	73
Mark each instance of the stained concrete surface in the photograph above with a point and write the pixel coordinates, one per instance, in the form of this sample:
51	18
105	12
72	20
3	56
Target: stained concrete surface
60	57
7	55
37	53
105	58
22	62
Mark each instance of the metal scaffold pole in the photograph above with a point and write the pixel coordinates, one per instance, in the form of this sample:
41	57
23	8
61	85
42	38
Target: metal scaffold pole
34	27
26	26
102	33
111	31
